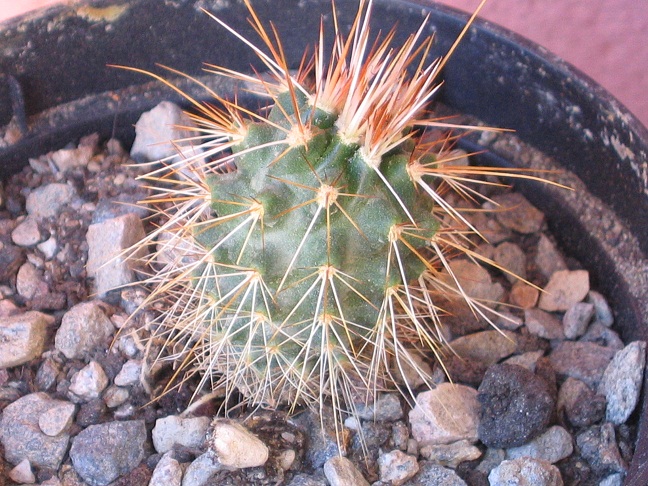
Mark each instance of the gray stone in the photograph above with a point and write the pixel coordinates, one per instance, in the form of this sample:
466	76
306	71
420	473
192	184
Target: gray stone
22	437
107	241
485	347
168	472
525	471
30	283
83	328
451	455
579	403
602	309
114	396
387	407
621	382
612	480
188	432
201	470
235	446
565	288
342	472
130	373
46	201
599	334
543	324
58	419
475	281
22	473
446	414
598	446
69	159
48	247
101	453
89	381
577	318
396	467
22	337
433	474
551	446
516	213
26	233
582	360
548	259
511	257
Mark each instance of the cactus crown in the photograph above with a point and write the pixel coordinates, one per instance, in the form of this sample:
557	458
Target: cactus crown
306	260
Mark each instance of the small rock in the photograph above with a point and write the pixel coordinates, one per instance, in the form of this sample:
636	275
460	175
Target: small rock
516	406
22	437
621	382
518	214
83	328
475	281
451	455
48	247
526	360
321	435
525	471
114	396
386	408
30	283
612	480
412	372
171	430
22	473
22	337
548	259
130	373
168	472
543	324
581	406
602	309
506	320
106	242
235	446
286	459
58	419
396	467
69	159
201	470
101	453
89	382
432	474
581	360
598	446
551	446
400	435
485	347
597	333
26	233
446	414
511	257
577	318
565	288
47	374
492	458
524	295
341	472
46	201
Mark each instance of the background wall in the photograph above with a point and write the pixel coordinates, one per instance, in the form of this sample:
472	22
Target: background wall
606	39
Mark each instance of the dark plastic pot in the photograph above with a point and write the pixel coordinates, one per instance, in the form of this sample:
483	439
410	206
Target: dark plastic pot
56	84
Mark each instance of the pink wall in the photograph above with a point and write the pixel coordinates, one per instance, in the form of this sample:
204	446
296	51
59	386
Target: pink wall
606	39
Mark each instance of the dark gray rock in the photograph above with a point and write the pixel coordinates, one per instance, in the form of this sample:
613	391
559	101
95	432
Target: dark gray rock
516	406
602	335
598	446
579	404
577	318
101	453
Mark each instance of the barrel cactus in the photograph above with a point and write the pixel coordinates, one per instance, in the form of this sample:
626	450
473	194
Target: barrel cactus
305	260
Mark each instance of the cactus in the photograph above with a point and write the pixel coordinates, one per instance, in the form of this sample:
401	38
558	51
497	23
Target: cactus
305	263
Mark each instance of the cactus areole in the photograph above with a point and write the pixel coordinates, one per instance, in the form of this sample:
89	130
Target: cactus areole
303	251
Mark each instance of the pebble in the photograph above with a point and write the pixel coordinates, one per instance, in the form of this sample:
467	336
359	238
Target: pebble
485	347
475	281
83	328
101	453
565	288
235	446
511	257
602	309
543	324
445	414
525	471
48	247
26	233
58	419
88	382
551	446
599	334
69	159
621	382
433	474
30	283
106	242
386	408
396	467
598	446
518	214
171	430
516	406
114	396
22	337
46	201
340	471
168	472
548	259
582	360
527	360
22	473
201	470
451	455
524	295
22	437
577	318
129	374
580	404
